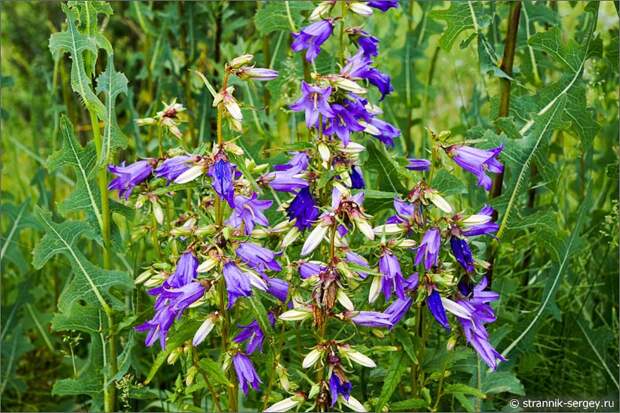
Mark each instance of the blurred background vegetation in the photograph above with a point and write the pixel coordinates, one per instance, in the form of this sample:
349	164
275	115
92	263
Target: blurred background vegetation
557	263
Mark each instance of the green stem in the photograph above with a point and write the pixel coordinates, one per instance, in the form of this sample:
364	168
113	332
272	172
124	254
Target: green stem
343	14
102	179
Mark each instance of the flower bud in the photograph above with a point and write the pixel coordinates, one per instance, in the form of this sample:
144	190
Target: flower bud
353	404
154	281
324	152
242	60
364	227
314	239
314	390
205	230
174	355
203	331
348	85
344	300
207	265
476	220
406	243
257	73
283	377
144	276
360	8
290	237
375	289
321	10
284	405
388	229
311	358
191	374
189	175
439	201
295	315
357	357
451	343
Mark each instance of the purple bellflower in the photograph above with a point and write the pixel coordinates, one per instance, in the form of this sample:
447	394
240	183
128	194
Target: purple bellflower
172	168
246	374
127	177
478	162
477	302
342	124
392	280
428	251
386	132
435	306
222	175
237	283
158	326
383	5
418	164
249	212
338	386
482	229
303	209
253	334
313	101
372	319
312	37
298	162
257	257
278	288
404	212
462	253
399	307
357	178
360	261
310	269
369	44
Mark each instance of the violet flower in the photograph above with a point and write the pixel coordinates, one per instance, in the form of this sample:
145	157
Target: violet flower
253	334
342	124
399	307
435	306
278	288
237	283
383	5
249	212
285	181
338	386
357	259
298	162
385	132
357	178
158	326
127	177
477	302
369	44
462	253
478	162
172	168
429	248
392	280
303	209
257	257
404	212
310	269
246	374
312	37
418	164
313	101
482	229
372	319
222	177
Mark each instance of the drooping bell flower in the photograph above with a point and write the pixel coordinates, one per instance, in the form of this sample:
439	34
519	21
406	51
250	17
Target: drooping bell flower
222	178
418	164
285	181
399	307
357	178
127	177
338	386
257	257
253	334
249	212
303	209
313	101
482	228
462	253
392	280
182	297
380	80
404	212
172	168
435	306
278	288
358	67
428	251
312	37
158	326
384	131
367	43
342	124
383	5
310	269
256	73
185	272
237	283
246	374
477	161
371	319
299	161
355	258
477	302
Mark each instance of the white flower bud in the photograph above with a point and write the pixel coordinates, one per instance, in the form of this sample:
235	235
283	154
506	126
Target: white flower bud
144	276
324	152
311	358
358	357
321	10
283	405
344	300
189	175
406	243
439	201
375	289
349	85
295	315
360	8
455	308
353	404
203	331
364	227
314	239
352	148
476	220
207	265
388	229
290	237
242	60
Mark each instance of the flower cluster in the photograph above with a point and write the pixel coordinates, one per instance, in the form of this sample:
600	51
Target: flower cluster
325	246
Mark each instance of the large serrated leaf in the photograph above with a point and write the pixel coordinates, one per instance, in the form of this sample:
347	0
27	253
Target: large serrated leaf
111	83
280	15
396	370
90	284
83	161
76	44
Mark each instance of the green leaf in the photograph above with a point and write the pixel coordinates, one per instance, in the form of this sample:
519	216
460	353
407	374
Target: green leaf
464	389
111	83
214	371
90	284
395	371
402	336
76	44
448	184
408	405
280	15
502	382
388	176
260	313
459	17
83	161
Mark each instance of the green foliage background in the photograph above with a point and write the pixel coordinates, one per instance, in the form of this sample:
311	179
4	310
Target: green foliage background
556	265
